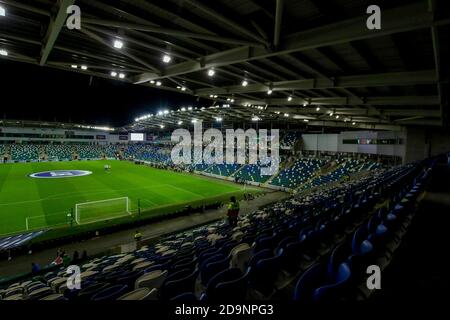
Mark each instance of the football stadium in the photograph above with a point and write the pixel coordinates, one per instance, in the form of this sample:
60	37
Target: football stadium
183	153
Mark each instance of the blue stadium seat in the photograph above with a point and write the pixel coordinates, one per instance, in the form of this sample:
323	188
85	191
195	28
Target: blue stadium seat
110	293
212	266
175	286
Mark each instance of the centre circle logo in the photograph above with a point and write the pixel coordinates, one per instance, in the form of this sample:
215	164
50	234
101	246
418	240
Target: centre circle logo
56	174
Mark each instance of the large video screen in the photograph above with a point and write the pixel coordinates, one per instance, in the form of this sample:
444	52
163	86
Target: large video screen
137	137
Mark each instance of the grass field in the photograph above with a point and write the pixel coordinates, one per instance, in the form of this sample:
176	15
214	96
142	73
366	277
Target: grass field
46	202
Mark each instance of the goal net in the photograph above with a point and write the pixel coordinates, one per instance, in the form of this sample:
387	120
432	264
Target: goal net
94	211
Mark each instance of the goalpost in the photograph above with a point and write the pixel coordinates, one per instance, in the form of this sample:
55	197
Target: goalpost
94	211
87	212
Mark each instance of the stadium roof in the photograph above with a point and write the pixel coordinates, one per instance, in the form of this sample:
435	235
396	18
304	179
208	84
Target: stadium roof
316	57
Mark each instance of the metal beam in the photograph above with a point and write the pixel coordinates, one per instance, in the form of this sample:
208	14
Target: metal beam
351	101
437	59
359	81
123	15
122	51
278	19
359	125
361	112
140	43
54	28
171	32
26	7
221	19
414	17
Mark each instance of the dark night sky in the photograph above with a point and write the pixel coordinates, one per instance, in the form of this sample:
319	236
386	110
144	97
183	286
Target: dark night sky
30	92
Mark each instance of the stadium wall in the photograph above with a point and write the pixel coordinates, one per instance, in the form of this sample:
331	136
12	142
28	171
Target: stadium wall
19	134
340	142
423	143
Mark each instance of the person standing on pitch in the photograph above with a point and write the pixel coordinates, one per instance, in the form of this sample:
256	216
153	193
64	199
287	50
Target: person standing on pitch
233	211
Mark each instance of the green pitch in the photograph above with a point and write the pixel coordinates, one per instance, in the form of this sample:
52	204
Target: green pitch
43	203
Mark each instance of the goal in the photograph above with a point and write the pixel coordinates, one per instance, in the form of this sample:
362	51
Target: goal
94	211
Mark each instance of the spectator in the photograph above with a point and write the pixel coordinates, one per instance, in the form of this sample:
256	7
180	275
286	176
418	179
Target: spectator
57	261
66	259
84	256
233	211
75	257
137	236
35	268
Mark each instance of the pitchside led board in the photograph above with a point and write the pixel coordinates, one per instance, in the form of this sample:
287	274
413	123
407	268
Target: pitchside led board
137	137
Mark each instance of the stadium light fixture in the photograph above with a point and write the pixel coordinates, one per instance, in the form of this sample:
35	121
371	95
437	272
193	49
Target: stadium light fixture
2	11
289	98
113	74
244	83
183	88
219	119
232	100
166	58
269	92
190	108
74	66
158	83
118	44
161	126
166	111
353	123
121	75
194	120
211	72
183	109
337	117
331	114
318	109
215	96
256	118
152	81
3	52
286	115
305	104
180	123
306	120
84	67
211	96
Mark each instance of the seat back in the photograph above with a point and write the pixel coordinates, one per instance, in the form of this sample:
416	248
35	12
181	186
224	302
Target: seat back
110	293
358	237
224	276
210	269
137	294
86	293
153	279
173	288
263	275
339	254
231	289
241	257
313	277
335	291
